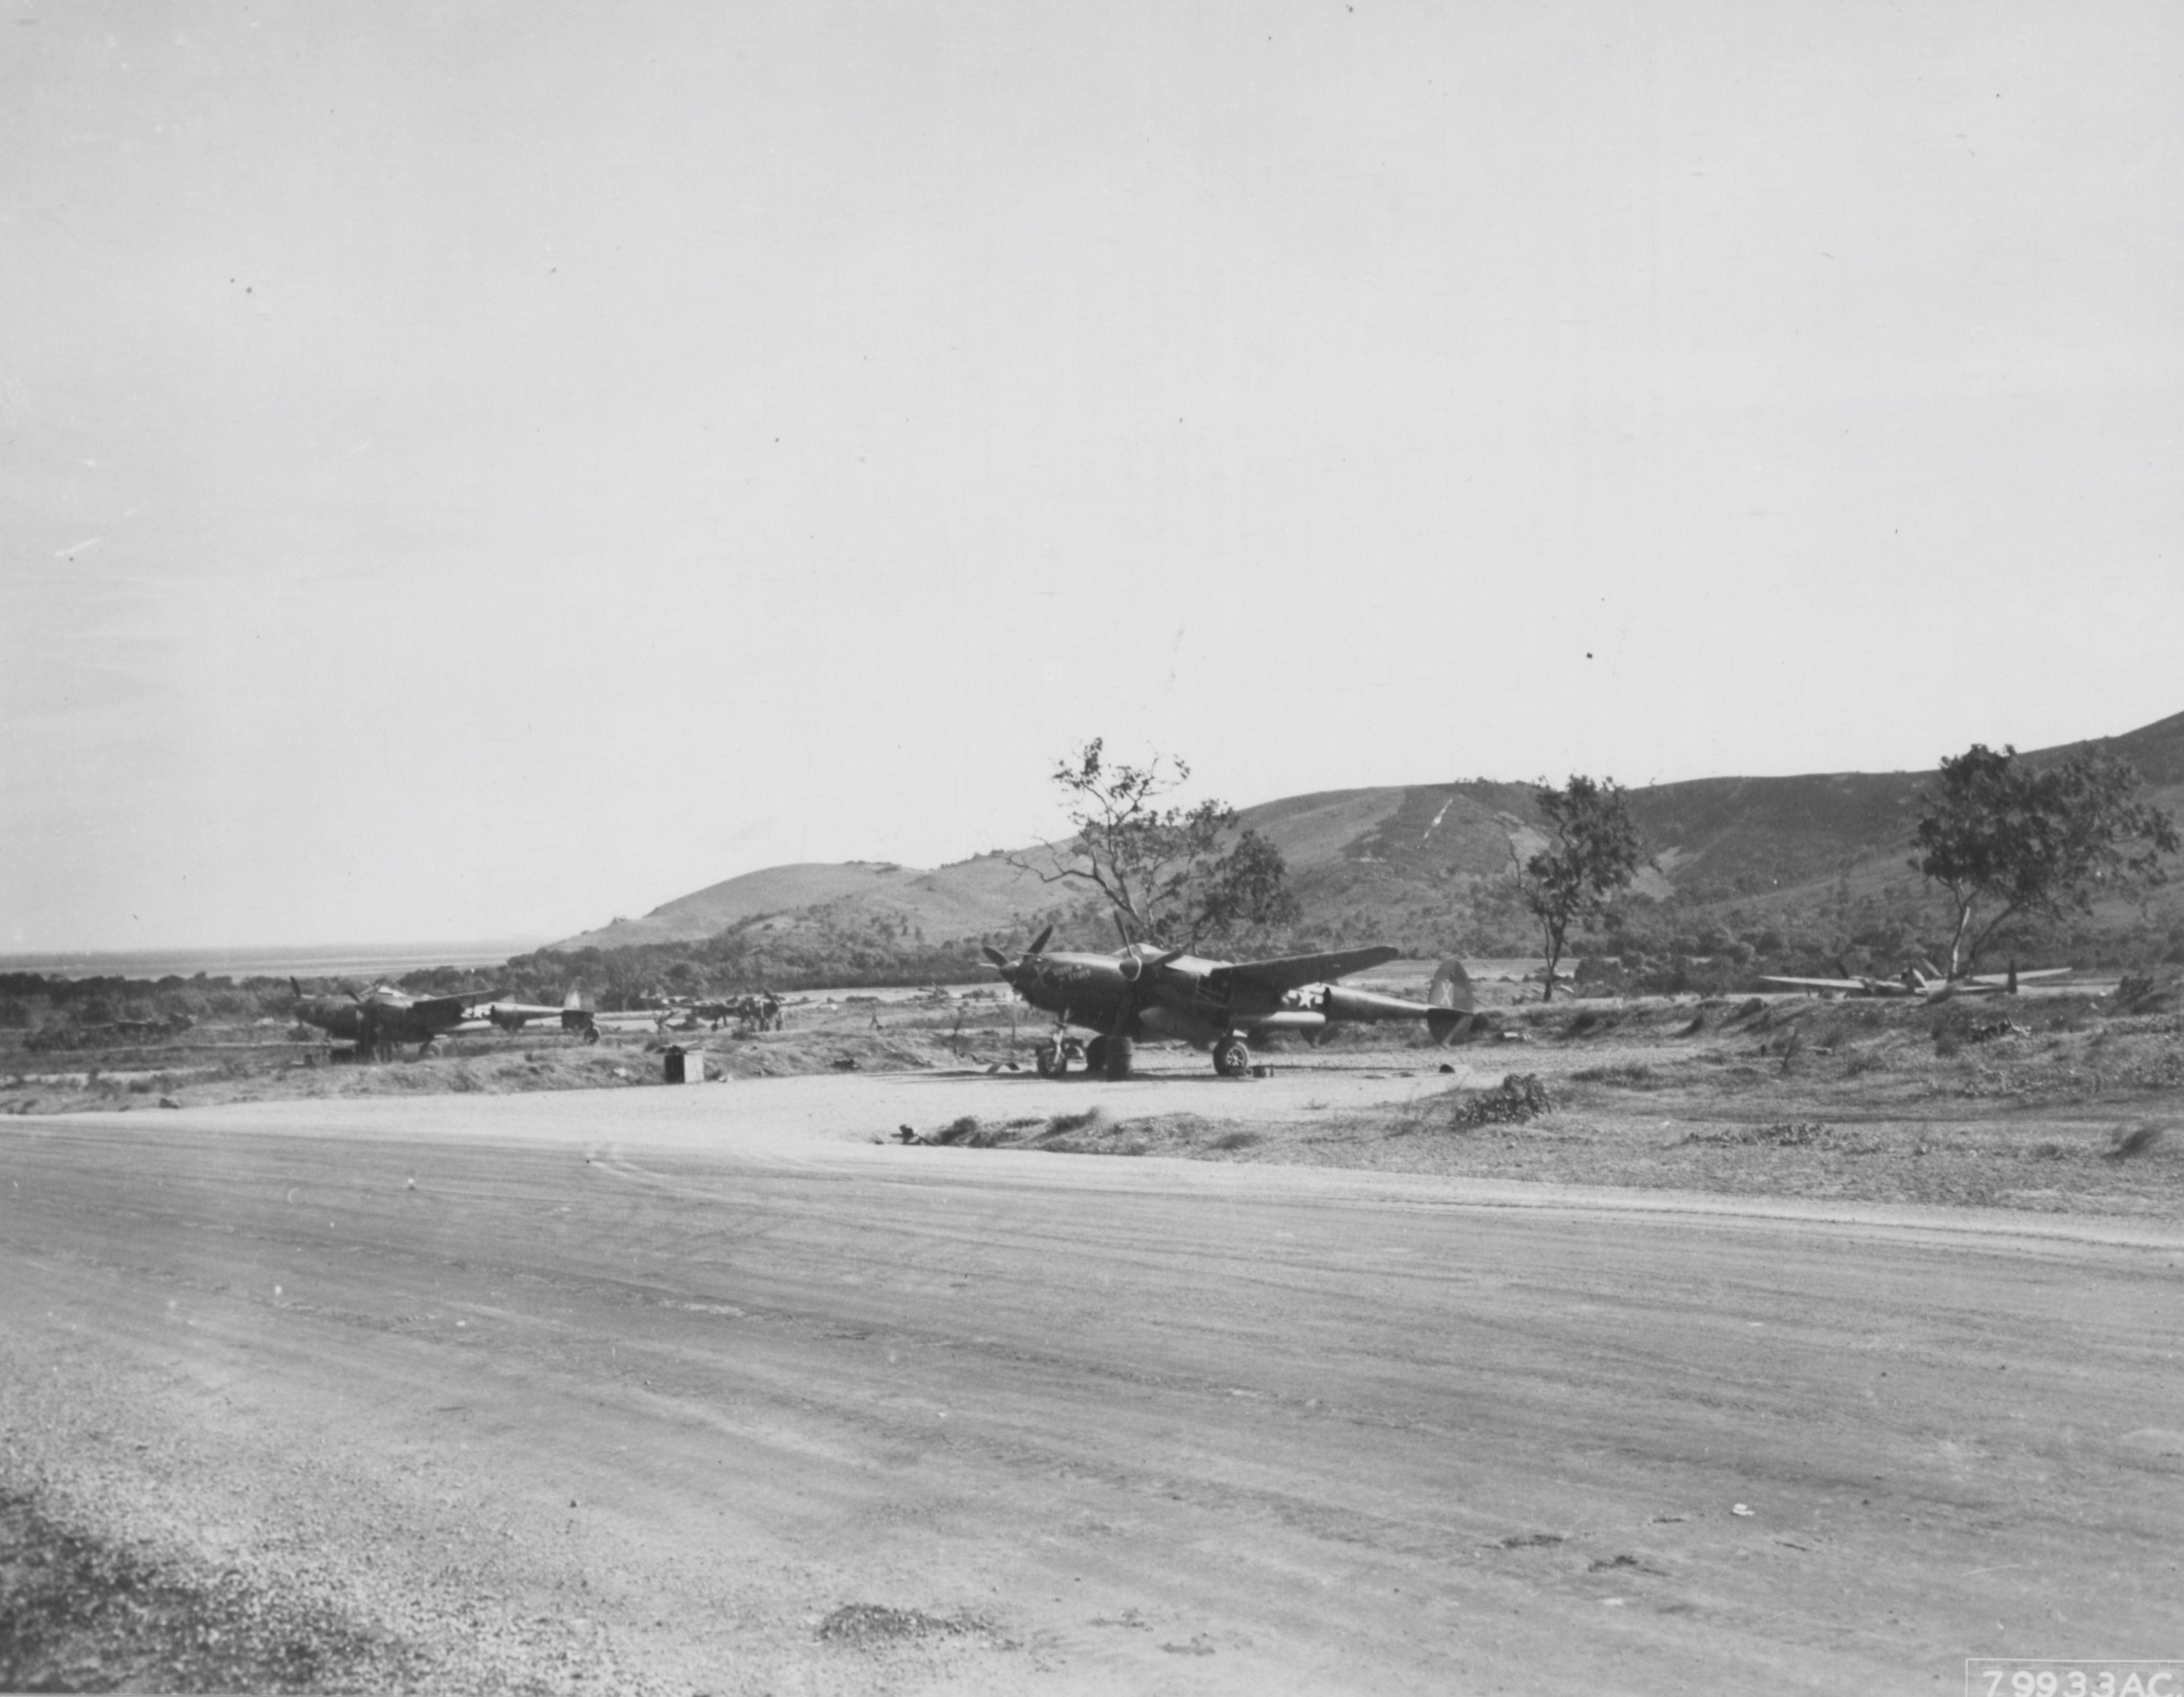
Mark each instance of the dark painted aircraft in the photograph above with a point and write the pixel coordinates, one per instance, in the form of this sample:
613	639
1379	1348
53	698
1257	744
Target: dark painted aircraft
377	1020
1150	993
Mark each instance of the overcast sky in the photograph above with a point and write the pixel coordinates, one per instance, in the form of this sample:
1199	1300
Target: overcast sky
471	470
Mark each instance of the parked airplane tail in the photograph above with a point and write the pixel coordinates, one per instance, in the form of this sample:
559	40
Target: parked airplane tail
1449	999
576	1014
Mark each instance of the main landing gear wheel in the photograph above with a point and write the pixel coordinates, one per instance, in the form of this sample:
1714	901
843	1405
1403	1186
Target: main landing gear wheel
1120	1052
1232	1058
1095	1055
1051	1059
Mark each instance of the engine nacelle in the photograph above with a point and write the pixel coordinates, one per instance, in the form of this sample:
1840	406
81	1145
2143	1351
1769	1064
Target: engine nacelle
1290	1020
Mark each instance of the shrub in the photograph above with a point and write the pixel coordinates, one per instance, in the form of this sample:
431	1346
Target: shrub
1091	1119
2142	993
1519	1097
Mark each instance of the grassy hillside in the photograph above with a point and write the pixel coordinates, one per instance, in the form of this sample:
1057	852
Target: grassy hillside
1426	867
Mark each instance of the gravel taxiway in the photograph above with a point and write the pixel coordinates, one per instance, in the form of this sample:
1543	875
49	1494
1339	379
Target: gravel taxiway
709	1388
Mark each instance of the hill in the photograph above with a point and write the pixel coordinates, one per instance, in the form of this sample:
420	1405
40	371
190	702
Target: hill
1425	865
968	898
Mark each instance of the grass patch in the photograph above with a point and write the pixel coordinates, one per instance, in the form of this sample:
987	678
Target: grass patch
1628	1074
1787	1134
862	1624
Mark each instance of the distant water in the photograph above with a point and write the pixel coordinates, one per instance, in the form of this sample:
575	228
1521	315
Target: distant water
333	960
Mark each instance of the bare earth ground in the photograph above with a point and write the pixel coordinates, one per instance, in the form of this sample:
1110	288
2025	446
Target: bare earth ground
1754	1363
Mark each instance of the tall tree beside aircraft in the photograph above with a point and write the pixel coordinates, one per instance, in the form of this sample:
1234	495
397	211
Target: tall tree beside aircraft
1594	852
2018	840
1170	874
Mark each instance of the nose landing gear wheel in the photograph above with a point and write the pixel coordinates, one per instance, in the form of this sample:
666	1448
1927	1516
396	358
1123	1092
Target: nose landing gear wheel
1232	1058
1051	1059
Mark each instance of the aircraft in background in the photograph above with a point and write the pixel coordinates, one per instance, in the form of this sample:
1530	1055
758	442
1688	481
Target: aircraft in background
378	1019
761	1012
1915	981
1149	993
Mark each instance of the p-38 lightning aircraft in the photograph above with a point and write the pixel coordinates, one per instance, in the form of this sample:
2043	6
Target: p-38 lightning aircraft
1149	993
378	1019
1915	981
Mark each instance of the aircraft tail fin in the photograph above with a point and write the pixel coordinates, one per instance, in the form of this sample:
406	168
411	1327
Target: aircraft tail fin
576	1013
1449	1001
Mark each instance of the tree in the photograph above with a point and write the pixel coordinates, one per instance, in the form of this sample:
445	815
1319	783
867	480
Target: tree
2022	841
1169	874
1595	853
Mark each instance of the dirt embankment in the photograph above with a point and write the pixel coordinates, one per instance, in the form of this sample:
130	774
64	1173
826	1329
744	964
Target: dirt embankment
2054	1104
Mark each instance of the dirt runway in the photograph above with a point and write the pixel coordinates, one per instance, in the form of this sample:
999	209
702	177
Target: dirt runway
703	1389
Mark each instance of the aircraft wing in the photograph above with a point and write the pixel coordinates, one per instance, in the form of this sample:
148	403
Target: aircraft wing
435	1010
1816	983
1292	970
2003	978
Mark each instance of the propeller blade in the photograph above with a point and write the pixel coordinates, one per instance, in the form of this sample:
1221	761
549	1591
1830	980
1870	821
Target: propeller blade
1039	943
995	955
1122	930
